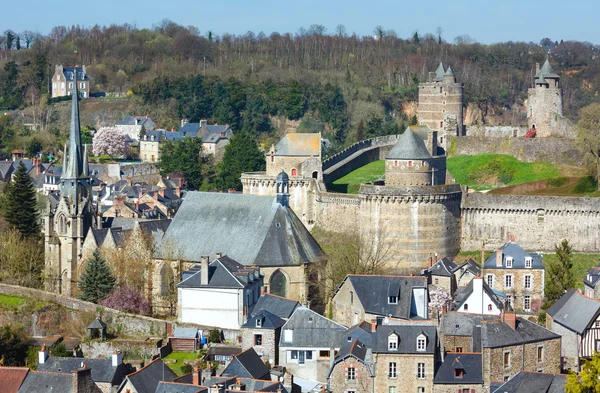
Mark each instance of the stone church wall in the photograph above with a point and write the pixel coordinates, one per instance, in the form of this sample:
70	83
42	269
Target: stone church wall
537	222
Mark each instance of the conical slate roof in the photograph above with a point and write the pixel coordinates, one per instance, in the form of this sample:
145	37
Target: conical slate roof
547	71
541	80
449	72
439	73
409	147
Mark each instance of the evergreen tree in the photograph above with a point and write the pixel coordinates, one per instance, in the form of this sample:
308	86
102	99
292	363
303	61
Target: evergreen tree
559	273
96	281
295	104
20	204
184	157
241	155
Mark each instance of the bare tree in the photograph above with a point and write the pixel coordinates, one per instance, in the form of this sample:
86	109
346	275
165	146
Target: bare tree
29	37
340	30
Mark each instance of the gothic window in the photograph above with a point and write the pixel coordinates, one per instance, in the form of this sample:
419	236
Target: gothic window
166	277
278	284
62	224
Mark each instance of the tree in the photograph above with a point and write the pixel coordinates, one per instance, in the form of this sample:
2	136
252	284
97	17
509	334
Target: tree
125	298
10	38
97	280
111	141
560	276
29	37
21	259
12	349
20	204
184	157
438	299
587	380
34	147
241	155
588	135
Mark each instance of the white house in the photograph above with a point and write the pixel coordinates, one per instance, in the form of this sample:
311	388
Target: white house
221	294
478	298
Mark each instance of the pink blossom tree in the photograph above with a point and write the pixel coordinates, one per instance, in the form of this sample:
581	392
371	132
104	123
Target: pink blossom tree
438	298
125	298
111	141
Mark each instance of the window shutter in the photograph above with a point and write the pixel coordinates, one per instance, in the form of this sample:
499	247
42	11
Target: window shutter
345	372
460	390
472	390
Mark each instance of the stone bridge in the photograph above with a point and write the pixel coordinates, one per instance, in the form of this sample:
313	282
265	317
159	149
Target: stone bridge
357	155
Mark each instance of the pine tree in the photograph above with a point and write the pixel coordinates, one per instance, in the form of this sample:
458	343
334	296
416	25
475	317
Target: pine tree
241	155
20	204
97	281
559	273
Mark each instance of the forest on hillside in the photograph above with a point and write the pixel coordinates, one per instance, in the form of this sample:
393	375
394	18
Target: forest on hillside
347	86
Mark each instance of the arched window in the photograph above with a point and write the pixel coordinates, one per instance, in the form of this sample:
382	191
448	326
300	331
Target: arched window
315	175
294	172
466	308
62	224
166	279
278	284
489	307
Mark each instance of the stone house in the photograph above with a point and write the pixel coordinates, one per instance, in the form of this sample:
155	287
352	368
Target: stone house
152	140
147	379
459	372
262	331
63	79
365	297
441	274
78	380
590	282
520	275
465	272
214	137
196	382
576	318
247	364
532	382
133	126
220	294
352	369
308	344
478	298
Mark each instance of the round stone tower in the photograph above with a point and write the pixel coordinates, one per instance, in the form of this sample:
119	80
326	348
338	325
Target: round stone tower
545	101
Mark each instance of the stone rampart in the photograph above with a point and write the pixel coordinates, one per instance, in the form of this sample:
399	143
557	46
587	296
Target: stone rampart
137	169
537	222
496	131
337	212
555	150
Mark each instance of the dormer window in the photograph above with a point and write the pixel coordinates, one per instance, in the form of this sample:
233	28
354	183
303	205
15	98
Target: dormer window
509	262
459	372
393	342
589	277
392	299
528	262
258	322
421	342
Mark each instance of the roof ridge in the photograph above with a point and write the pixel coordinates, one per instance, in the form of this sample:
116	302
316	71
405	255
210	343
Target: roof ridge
148	365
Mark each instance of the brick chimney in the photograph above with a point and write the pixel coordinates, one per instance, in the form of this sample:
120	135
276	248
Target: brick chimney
498	258
510	318
197	376
482	256
81	379
203	270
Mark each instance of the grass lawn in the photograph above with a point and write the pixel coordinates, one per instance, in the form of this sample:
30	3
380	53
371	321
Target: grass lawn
9	301
581	264
486	171
179	367
351	182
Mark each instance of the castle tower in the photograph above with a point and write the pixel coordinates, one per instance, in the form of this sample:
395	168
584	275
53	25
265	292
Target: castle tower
70	213
545	101
441	105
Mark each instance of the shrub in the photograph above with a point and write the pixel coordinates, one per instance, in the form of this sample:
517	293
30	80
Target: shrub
586	184
557	181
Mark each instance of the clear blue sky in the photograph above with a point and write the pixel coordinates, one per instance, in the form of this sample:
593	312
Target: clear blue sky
484	20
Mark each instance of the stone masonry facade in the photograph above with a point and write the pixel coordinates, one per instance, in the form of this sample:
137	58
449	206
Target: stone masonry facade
362	382
268	349
407	379
518	292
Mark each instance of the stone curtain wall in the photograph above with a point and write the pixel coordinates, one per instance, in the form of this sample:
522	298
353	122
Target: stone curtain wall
496	131
537	222
138	169
554	150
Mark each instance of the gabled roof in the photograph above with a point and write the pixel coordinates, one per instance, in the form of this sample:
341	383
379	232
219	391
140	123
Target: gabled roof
594	276
174	387
354	349
470	363
12	378
530	382
360	332
137	120
373	292
461	324
247	365
221	274
45	381
469	265
102	369
409	146
444	267
183	332
462	294
147	378
277	305
495	333
253	230
512	249
575	311
267	320
312	330
299	144
81	75
407	338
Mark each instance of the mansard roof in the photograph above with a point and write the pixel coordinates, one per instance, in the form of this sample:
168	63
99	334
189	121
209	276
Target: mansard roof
409	147
407	338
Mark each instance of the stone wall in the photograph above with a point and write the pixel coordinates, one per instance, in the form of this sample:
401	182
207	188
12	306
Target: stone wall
131	349
473	388
496	131
363	382
518	290
269	350
555	150
138	169
537	222
569	345
406	366
337	212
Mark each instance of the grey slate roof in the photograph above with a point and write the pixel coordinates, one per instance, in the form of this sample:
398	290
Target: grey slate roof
81	75
354	349
547	71
267	320
439	73
253	230
277	305
97	324
470	363
102	369
471	266
373	293
299	144
444	267
449	72
409	147
147	378
247	365
496	333
463	293
407	341
518	254
145	121
183	332
592	277
575	311
529	382
541	80
360	332
461	324
47	382
221	274
311	330
174	387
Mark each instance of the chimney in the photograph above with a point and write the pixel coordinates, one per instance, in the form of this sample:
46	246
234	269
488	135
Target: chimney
431	77
435	258
510	318
203	124
219	255
537	67
331	357
262	290
498	258
161	192
288	381
117	358
513	238
203	270
374	326
197	376
482	256
43	355
79	377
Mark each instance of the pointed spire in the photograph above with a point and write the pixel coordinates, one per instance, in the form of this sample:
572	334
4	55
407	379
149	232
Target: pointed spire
541	80
449	72
86	168
547	70
439	73
65	159
75	168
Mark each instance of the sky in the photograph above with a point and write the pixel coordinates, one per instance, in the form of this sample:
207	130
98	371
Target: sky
483	20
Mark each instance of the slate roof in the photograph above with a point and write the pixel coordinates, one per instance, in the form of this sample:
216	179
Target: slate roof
147	378
223	350
409	147
373	293
529	382
247	365
145	121
461	324
518	254
102	369
299	144
470	363
221	274
547	71
407	341
449	72
44	382
277	305
100	235
6	168
311	330
253	230
183	332
495	333
575	311
194	130
444	267
268	320
174	387
463	293
592	277
439	73
469	265
541	80
360	332
355	349
97	324
81	75
12	378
